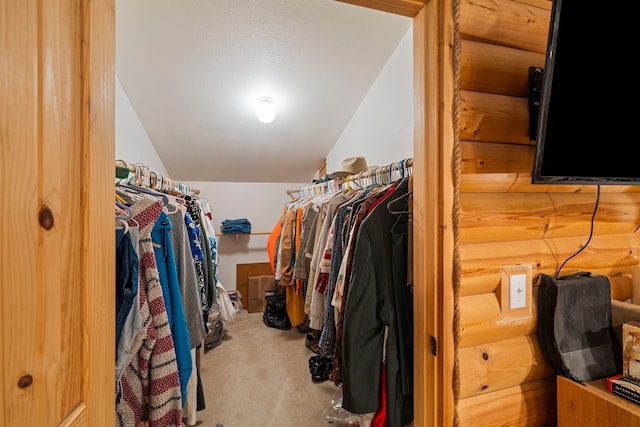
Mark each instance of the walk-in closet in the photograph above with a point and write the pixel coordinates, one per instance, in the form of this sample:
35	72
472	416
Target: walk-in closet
440	112
251	195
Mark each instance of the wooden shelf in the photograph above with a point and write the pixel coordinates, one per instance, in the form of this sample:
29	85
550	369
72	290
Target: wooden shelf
591	404
255	233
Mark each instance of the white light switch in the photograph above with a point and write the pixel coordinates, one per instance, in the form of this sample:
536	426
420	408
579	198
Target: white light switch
517	291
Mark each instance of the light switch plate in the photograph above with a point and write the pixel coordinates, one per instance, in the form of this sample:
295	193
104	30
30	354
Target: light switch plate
515	290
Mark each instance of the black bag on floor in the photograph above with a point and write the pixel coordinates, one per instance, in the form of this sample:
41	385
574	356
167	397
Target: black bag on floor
275	313
574	326
216	332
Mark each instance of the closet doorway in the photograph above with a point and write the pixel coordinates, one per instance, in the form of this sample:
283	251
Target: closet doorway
405	8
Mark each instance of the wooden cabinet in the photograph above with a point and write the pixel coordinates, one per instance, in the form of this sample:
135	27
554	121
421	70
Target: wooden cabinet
590	404
57	244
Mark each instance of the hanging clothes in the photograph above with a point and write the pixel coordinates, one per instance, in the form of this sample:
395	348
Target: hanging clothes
134	323
187	277
273	242
378	298
294	299
305	251
126	299
168	275
358	214
207	265
126	278
158	343
207	223
350	251
322	261
195	243
150	381
312	249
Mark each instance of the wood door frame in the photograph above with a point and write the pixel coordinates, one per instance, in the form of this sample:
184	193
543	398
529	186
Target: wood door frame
98	145
433	183
433	204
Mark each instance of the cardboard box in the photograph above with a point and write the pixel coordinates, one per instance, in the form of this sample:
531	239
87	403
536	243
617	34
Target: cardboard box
631	349
244	271
258	286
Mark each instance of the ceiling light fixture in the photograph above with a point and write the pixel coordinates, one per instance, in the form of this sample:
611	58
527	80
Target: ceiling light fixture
266	111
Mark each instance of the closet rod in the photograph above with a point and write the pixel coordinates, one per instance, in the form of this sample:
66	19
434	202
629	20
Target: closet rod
395	166
406	163
148	178
292	192
243	234
253	233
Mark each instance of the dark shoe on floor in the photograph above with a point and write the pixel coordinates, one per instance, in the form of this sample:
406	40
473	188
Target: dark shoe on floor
304	328
320	368
311	341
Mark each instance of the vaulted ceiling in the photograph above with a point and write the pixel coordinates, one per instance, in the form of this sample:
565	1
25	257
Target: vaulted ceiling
193	71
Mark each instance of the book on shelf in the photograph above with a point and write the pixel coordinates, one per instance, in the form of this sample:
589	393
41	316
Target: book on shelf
631	349
625	386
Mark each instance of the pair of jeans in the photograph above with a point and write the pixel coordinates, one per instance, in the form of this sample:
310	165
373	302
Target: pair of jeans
127	262
126	278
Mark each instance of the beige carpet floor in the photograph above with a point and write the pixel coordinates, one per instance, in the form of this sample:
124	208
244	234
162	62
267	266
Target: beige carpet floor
259	376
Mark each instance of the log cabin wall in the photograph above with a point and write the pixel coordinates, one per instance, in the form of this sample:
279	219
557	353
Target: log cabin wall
501	376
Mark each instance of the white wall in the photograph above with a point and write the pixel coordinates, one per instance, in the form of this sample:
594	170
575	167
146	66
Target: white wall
132	142
381	130
260	203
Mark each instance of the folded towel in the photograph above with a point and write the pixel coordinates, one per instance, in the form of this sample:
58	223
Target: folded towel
236	226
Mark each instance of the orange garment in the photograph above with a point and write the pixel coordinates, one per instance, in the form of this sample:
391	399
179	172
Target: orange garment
294	296
287	248
272	242
295	306
299	283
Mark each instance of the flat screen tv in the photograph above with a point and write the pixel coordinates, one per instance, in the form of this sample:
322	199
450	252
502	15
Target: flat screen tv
586	130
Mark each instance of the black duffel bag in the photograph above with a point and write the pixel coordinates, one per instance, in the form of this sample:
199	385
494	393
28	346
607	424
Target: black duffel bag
575	328
275	313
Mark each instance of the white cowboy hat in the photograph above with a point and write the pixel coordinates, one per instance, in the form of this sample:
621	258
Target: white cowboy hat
350	166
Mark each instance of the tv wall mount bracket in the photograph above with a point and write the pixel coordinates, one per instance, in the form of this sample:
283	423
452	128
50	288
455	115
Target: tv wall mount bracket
536	76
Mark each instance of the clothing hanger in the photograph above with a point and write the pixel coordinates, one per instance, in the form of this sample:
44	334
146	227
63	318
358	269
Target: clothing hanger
176	203
121	223
120	199
125	209
165	199
404	197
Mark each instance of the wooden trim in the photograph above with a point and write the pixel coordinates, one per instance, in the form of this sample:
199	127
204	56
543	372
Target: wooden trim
521	183
408	8
322	170
424	373
444	202
98	126
508	20
433	234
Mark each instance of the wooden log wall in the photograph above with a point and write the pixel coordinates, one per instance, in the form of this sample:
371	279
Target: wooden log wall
505	220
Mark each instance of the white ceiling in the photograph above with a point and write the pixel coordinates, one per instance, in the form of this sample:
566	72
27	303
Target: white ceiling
193	70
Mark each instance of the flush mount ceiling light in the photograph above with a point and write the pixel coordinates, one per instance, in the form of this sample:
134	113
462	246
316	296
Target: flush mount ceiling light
265	110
